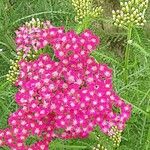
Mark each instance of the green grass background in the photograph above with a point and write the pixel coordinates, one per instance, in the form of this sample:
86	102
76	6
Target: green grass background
136	136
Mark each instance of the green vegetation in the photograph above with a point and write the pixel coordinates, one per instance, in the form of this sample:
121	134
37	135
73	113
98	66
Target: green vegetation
125	50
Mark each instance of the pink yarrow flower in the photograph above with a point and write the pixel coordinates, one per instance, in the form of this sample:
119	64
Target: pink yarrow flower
64	99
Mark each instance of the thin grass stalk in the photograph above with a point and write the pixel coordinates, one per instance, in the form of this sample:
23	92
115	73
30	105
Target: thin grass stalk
127	55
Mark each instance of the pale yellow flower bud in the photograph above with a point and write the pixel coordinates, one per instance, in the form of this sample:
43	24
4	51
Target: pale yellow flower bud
131	13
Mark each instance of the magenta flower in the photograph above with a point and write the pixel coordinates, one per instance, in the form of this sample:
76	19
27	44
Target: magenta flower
64	99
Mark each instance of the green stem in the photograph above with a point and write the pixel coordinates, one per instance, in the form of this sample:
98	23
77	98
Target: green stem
127	54
85	24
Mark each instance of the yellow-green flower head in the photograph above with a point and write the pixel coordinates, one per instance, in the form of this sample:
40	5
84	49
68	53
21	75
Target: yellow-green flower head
99	147
13	71
34	23
131	13
115	135
14	67
84	8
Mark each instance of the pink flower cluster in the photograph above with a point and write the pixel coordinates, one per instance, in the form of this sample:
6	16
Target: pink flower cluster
64	99
32	37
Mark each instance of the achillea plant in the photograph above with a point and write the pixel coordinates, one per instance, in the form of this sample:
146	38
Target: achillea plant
64	99
131	13
13	71
84	9
115	135
85	13
99	147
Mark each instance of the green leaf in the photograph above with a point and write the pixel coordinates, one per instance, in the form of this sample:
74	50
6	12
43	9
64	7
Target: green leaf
140	48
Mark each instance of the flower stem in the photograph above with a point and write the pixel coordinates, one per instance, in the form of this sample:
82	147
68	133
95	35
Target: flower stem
85	24
127	54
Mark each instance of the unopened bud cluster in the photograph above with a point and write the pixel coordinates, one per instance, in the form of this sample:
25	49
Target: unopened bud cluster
37	23
14	68
84	9
131	13
115	135
99	147
32	55
34	23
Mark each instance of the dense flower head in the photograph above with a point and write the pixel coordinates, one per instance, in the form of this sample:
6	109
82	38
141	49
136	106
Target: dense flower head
84	8
99	147
65	99
13	71
131	13
35	38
